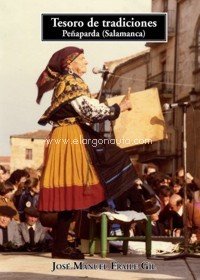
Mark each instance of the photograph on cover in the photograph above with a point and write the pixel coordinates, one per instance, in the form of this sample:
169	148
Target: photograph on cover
82	124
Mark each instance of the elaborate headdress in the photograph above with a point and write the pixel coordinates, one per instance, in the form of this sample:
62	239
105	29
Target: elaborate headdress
58	62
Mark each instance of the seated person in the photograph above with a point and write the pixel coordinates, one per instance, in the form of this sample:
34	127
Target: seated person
6	189
9	232
172	215
16	178
193	215
158	180
164	194
32	232
176	184
158	229
133	198
29	197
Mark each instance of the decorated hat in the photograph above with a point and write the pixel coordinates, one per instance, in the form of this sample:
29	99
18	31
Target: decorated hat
32	211
7	211
57	63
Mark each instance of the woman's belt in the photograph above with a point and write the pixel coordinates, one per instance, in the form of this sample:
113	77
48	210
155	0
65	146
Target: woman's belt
66	121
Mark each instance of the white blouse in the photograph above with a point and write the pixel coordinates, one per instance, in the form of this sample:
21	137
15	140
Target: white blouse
90	109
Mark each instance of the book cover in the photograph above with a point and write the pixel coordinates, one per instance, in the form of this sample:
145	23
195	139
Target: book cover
25	52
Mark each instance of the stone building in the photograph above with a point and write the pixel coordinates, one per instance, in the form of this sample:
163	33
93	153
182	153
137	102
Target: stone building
27	149
174	68
130	72
179	64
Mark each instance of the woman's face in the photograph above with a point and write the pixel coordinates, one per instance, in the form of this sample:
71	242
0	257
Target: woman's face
79	65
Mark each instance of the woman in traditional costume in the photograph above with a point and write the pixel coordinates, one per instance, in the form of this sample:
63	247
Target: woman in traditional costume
81	169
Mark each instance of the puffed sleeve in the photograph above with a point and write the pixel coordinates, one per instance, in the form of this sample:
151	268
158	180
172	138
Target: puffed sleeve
92	110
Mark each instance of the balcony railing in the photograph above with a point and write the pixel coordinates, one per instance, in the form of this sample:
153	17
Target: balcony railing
163	81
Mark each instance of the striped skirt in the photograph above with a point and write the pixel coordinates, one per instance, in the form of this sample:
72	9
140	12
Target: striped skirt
69	180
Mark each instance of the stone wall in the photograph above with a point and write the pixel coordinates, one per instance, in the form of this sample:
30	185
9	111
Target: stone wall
18	153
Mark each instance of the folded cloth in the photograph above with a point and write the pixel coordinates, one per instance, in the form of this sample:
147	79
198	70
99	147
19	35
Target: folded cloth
125	216
139	247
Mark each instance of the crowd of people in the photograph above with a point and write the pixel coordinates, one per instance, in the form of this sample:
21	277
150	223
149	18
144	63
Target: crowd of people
156	194
20	226
162	197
